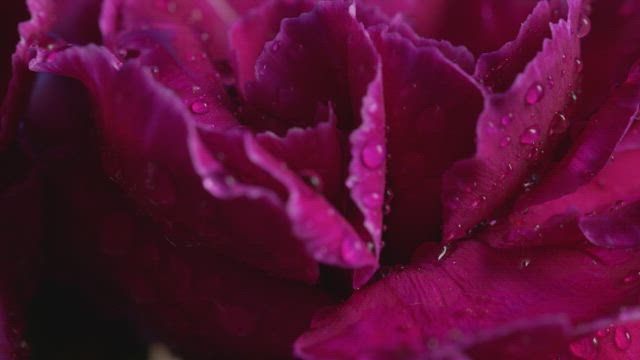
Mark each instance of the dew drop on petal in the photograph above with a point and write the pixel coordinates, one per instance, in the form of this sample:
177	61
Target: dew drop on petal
559	124
584	26
506	120
530	136
372	108
373	156
373	200
534	94
200	107
443	253
524	263
505	141
579	65
631	277
275	46
622	338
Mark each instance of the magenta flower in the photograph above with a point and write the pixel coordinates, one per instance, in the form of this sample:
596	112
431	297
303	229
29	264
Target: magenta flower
330	179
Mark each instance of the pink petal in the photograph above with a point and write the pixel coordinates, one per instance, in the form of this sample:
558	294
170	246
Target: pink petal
473	291
513	130
431	106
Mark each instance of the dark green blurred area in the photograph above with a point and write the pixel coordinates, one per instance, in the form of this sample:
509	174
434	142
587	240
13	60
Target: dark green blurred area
64	325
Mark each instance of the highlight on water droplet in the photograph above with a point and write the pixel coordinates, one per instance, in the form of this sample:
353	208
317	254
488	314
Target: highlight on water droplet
373	156
530	136
524	263
373	200
559	124
622	338
579	65
200	107
534	94
584	26
506	119
275	46
505	141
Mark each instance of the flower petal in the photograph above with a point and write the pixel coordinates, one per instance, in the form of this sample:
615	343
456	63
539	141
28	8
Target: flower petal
474	289
431	106
326	56
595	145
513	130
609	50
209	19
248	36
202	303
554	221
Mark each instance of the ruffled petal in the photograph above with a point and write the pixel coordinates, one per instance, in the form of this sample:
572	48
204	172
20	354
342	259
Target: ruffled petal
554	221
209	20
480	25
595	145
326	56
248	36
156	172
471	292
513	130
431	106
53	24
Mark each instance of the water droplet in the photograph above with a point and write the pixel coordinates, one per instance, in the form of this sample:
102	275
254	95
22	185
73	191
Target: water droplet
550	82
373	200
530	136
373	156
372	108
534	94
631	277
200	107
603	332
559	124
595	341
622	338
155	71
584	26
275	46
579	65
195	89
507	119
505	141
312	179
524	263
443	253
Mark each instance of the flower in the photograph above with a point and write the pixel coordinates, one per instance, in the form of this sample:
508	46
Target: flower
229	171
